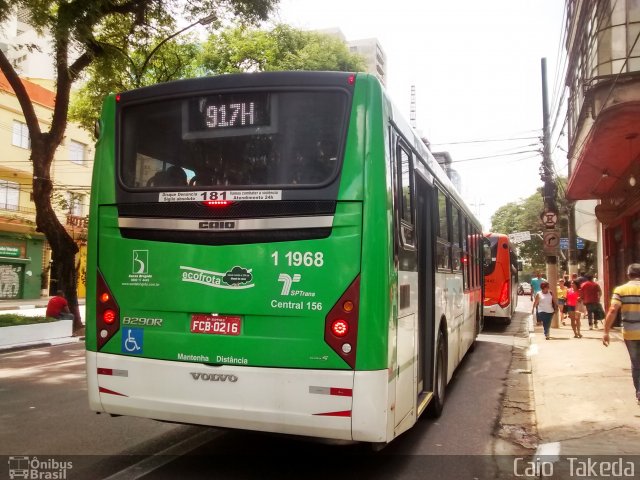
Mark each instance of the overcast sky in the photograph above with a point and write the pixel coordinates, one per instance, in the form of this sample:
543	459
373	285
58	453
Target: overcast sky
476	68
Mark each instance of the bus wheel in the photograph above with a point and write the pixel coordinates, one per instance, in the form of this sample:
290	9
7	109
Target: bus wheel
437	402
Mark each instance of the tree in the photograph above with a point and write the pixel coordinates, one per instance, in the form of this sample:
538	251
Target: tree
524	215
244	49
81	33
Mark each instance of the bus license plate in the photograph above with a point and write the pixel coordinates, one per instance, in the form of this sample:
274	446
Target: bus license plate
216	324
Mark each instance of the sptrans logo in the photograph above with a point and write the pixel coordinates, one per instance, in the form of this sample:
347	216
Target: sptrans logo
287	281
37	469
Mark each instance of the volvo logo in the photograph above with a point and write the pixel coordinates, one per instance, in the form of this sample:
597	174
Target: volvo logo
217	225
214	377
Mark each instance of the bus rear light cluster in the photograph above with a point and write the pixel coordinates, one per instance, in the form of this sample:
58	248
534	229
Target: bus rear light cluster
504	294
217	203
107	313
341	324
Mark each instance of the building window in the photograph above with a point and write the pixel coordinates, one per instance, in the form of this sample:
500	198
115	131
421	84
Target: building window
76	204
20	137
9	195
77	152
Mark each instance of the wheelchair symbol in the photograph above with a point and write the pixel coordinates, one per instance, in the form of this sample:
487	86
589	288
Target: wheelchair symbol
132	340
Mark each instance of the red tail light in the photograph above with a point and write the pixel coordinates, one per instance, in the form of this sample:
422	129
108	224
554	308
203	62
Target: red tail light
341	324
340	328
504	294
107	313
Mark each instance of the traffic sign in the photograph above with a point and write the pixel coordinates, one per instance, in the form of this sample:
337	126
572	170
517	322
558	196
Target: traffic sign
551	240
519	237
564	243
549	219
580	243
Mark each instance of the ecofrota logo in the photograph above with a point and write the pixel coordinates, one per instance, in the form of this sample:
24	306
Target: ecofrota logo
287	281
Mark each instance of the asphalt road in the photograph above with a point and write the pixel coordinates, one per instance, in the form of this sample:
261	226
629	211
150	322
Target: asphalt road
45	413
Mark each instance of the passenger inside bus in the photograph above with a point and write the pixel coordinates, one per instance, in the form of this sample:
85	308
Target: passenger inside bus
171	177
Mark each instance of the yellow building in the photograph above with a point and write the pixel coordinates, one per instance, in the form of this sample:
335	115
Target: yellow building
24	254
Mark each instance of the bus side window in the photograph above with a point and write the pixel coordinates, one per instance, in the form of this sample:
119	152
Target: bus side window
405	191
455	240
444	247
465	253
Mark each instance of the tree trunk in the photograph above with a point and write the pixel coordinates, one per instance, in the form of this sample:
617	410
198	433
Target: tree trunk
63	248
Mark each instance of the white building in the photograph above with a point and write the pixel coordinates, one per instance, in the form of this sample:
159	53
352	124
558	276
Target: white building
15	37
369	48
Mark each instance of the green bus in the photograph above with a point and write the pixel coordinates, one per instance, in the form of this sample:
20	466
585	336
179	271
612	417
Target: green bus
275	252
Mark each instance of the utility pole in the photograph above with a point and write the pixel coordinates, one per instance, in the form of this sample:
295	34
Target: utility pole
549	215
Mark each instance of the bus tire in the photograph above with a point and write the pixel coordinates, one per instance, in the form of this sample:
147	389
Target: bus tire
434	410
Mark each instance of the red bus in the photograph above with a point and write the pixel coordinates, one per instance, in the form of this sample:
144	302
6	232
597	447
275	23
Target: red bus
500	277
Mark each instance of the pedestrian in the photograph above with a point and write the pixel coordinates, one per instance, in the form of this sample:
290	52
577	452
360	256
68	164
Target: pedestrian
567	280
58	308
535	284
580	308
626	299
561	292
591	294
546	307
573	294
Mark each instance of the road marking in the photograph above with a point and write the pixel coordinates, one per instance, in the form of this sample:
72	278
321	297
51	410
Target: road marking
160	459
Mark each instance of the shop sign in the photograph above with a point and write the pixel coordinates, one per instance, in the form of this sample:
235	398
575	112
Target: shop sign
10	251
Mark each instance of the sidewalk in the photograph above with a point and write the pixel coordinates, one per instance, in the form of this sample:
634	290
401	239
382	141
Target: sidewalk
583	393
34	336
23	304
20	304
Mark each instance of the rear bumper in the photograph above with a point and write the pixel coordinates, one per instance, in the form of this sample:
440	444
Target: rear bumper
497	311
334	404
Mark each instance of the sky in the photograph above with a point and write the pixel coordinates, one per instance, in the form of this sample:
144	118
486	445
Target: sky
476	68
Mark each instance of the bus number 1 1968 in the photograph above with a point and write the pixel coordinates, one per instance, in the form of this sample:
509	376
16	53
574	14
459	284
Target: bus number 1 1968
298	259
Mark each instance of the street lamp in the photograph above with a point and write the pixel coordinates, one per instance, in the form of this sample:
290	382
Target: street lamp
203	21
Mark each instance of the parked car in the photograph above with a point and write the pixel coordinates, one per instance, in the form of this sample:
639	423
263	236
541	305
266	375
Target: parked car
524	289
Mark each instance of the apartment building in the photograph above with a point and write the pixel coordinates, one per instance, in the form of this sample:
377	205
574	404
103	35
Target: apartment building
369	48
603	119
24	254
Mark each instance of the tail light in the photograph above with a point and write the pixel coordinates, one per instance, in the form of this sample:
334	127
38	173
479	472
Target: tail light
504	294
107	313
341	324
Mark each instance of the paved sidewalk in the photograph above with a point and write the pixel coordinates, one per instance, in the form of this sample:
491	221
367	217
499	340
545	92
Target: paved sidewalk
19	304
583	394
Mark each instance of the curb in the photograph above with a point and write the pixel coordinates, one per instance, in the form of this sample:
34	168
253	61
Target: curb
517	419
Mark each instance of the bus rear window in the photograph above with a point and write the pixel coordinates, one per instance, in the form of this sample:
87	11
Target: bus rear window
490	254
233	139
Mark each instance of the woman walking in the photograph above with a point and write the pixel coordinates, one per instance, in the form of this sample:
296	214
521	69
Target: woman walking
562	299
573	295
546	307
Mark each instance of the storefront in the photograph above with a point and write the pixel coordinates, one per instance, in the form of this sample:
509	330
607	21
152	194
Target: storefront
20	266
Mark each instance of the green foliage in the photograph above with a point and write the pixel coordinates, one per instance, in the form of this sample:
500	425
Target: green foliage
174	60
12	319
244	49
524	215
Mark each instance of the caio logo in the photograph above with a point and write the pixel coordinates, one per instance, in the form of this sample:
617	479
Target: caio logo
217	225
